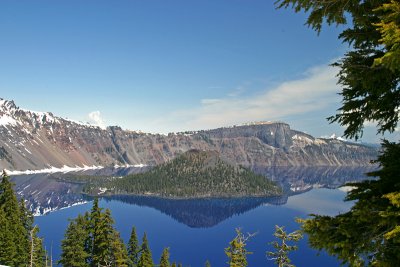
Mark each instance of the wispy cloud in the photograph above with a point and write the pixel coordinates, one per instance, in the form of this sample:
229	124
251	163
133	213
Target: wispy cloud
96	119
314	91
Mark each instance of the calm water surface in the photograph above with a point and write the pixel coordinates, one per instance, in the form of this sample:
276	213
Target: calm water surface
197	230
195	235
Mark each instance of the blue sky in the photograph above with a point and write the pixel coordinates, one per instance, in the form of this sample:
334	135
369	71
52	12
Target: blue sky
163	66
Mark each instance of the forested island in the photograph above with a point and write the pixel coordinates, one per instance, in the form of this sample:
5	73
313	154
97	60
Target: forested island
194	174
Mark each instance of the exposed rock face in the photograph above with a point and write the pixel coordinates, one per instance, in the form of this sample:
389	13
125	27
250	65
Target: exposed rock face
37	140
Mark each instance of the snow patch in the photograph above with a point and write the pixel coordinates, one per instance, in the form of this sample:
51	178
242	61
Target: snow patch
302	138
52	169
116	166
346	188
45	211
102	190
7	120
335	137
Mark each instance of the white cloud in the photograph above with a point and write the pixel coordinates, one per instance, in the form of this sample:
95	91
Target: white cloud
316	90
96	119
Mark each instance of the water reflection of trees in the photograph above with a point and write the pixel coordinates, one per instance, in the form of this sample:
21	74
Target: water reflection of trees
200	213
48	192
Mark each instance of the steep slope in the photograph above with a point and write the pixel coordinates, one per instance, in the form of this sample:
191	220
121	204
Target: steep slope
37	140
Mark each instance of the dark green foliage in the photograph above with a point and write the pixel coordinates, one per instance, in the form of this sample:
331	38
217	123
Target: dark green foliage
282	246
103	232
193	174
369	233
7	246
369	73
133	249
145	259
119	255
74	250
237	252
91	240
15	229
164	261
38	254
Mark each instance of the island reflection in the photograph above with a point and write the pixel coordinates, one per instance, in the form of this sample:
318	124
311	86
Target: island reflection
200	213
49	192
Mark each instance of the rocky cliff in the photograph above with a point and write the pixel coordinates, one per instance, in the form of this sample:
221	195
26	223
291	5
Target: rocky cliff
37	140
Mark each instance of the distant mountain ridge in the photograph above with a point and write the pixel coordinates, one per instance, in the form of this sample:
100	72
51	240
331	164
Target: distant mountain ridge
37	140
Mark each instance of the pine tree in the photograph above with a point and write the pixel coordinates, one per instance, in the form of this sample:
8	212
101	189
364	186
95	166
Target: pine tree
173	264
368	234
73	246
164	261
118	250
94	221
91	240
6	245
15	229
236	251
145	259
26	219
103	235
133	249
208	264
37	253
282	248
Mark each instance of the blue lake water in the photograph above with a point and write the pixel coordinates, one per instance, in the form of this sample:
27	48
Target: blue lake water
195	235
198	230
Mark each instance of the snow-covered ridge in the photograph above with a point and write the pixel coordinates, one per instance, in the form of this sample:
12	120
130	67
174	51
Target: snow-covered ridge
261	123
7	111
335	137
10	115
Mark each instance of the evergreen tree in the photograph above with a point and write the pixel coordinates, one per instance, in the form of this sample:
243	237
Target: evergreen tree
119	252
26	219
368	234
37	253
103	236
93	228
133	249
164	261
91	240
6	245
15	227
145	259
208	264
282	247
236	251
74	252
369	73
173	264
19	253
